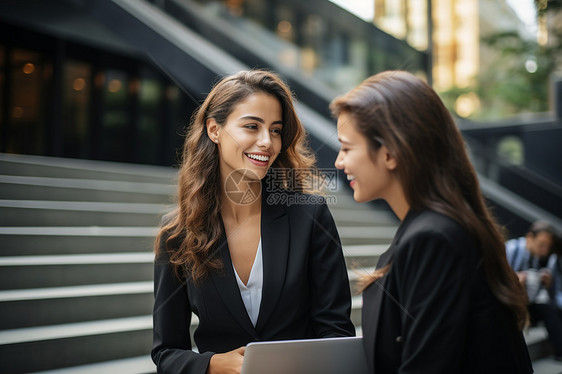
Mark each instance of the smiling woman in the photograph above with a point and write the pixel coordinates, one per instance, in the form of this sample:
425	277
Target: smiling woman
250	267
442	298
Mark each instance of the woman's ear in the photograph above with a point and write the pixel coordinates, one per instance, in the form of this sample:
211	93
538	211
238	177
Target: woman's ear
213	130
389	160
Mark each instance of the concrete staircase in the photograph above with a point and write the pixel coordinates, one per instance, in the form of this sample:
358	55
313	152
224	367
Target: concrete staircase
76	263
76	258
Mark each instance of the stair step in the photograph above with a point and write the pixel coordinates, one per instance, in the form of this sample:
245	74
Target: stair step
22	272
84	259
346	217
50	347
367	250
76	291
23	277
79	213
537	341
353	235
64	189
59	305
360	256
356	304
134	365
71	330
37	240
40	166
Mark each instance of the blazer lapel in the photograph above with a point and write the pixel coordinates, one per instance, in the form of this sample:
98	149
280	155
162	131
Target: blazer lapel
373	295
275	238
372	303
225	283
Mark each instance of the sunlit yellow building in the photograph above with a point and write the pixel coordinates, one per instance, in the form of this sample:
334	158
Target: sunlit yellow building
456	27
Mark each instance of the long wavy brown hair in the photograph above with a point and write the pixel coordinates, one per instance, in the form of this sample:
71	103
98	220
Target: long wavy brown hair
194	228
434	168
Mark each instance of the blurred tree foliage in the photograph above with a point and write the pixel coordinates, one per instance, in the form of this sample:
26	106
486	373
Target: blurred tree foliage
518	79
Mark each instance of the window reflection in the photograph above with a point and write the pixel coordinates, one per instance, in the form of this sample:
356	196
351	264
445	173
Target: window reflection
2	98
150	100
309	40
25	127
82	102
116	137
76	108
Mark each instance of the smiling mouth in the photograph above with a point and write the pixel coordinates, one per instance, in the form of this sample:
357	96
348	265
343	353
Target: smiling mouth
350	177
262	158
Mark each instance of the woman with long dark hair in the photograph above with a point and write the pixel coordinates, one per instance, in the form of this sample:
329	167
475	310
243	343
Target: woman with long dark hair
248	250
443	298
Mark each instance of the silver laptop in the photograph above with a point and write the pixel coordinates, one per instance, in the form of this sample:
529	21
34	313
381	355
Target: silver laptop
310	356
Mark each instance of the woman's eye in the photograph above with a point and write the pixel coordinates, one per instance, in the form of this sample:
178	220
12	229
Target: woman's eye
276	131
251	126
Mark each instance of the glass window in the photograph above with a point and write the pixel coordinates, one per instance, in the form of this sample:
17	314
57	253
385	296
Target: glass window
285	23
76	108
115	141
2	98
179	107
149	126
26	116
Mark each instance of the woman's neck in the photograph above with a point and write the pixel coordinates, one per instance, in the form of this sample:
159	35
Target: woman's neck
240	197
237	211
398	202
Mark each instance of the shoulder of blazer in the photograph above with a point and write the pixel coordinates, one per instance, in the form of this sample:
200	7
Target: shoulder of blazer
165	234
435	225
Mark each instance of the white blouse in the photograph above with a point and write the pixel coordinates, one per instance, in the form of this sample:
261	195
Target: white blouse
251	292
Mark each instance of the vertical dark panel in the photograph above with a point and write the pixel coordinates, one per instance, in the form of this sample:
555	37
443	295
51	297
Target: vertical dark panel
54	98
95	125
6	99
557	93
135	151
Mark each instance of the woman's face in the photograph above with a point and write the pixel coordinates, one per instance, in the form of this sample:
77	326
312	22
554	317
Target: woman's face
368	172
251	137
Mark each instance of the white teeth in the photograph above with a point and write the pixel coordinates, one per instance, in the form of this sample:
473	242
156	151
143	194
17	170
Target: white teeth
350	177
258	157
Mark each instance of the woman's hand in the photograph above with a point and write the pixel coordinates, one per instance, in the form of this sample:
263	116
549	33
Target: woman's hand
546	278
227	363
522	277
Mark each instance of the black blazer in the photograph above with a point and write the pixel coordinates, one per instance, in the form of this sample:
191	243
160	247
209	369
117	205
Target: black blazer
305	293
433	312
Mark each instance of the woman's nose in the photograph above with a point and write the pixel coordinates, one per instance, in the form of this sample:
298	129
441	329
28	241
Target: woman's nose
339	161
264	139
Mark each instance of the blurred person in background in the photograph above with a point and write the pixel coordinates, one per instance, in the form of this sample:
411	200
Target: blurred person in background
533	259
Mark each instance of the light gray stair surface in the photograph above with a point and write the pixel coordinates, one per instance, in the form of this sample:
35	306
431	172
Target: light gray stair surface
68	304
40	166
54	346
39	240
16	187
79	213
134	365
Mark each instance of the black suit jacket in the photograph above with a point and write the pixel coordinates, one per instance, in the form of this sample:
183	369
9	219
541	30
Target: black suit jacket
433	312
305	292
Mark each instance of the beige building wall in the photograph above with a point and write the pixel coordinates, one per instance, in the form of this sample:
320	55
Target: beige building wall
458	54
455	35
